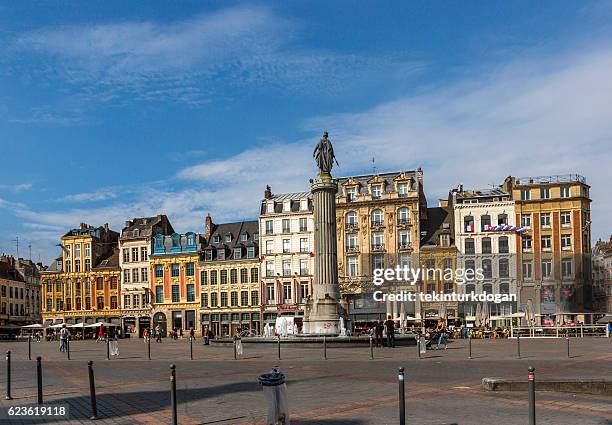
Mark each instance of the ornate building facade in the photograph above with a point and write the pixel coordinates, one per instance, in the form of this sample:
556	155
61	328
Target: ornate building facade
553	258
229	276
378	226
20	291
175	281
287	255
135	246
82	286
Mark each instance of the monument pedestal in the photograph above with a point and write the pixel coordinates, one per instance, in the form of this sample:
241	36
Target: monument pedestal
321	317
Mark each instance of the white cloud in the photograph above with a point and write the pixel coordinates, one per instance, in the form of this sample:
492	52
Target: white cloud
99	195
194	60
18	187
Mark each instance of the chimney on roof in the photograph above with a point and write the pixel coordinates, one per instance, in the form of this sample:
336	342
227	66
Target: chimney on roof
128	223
268	192
208	226
106	227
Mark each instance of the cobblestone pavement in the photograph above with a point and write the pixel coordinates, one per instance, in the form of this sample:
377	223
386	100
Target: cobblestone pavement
348	388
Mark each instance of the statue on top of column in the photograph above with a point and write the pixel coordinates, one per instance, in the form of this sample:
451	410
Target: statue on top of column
324	155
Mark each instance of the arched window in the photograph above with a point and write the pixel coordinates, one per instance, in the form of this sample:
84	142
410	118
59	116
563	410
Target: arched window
403	216
504	288
488	288
486	245
470	269
504	268
377	218
351	218
470	288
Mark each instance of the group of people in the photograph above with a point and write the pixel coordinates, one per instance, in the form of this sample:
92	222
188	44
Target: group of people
380	328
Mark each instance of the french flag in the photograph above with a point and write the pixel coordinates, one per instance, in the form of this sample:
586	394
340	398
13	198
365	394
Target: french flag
469	228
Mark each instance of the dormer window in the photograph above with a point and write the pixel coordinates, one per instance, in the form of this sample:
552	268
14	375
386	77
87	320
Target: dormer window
191	241
208	255
221	254
159	243
402	190
351	193
376	191
255	236
237	253
216	239
270	207
244	237
303	204
228	238
287	205
176	242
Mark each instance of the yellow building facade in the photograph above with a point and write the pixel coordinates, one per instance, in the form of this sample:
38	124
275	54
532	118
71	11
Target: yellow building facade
82	286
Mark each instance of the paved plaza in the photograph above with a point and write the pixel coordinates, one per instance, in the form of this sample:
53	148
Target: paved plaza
348	388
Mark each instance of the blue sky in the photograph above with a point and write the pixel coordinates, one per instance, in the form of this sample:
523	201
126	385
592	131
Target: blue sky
110	110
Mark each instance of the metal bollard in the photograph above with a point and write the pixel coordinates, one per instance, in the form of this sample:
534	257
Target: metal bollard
149	346
518	345
39	379
29	347
531	394
107	347
371	350
279	353
470	344
402	397
8	376
173	393
190	348
568	346
68	348
92	392
418	345
324	348
235	350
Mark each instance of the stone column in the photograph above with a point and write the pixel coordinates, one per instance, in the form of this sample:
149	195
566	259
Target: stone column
322	310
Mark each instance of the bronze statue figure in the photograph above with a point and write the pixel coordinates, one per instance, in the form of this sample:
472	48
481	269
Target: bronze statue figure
324	155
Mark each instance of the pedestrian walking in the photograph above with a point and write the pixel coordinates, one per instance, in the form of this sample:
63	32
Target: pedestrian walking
379	333
63	338
100	334
390	329
191	333
144	335
158	333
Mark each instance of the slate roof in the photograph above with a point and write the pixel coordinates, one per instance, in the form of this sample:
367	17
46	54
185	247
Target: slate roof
143	227
111	261
482	193
236	229
364	179
434	226
8	271
293	197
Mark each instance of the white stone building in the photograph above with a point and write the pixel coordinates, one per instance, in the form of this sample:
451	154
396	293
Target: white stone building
476	214
286	246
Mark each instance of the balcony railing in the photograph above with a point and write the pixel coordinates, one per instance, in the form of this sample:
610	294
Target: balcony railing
561	178
352	248
351	226
403	221
378	247
377	223
405	245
